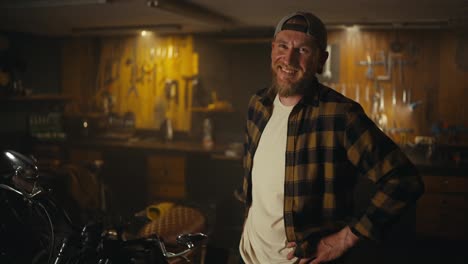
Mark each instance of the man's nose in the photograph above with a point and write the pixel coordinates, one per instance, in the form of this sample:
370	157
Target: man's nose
291	56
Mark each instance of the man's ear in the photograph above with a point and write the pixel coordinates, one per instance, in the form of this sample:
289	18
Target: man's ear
323	58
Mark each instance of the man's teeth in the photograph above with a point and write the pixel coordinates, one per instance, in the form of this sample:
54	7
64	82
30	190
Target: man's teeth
290	71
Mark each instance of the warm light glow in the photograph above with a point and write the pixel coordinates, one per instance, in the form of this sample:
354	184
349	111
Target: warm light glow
352	29
170	52
144	33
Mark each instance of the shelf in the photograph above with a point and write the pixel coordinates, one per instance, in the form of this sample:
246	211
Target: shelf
38	97
211	110
34	103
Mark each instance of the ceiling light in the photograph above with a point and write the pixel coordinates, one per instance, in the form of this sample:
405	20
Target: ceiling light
169	28
427	24
352	29
191	10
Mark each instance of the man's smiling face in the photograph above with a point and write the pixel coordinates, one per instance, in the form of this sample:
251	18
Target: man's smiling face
295	59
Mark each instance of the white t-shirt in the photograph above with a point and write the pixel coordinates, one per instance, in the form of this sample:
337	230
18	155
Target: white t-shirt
264	237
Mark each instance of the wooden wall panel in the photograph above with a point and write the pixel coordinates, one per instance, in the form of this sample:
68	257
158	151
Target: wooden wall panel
453	90
431	75
102	71
79	71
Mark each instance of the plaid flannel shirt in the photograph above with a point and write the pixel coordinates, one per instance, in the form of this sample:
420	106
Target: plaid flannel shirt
330	143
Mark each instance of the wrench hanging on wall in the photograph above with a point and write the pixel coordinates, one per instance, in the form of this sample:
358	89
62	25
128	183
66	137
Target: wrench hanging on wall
388	63
134	74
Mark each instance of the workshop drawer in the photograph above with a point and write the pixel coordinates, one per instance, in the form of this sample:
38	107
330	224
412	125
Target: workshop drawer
165	191
166	177
166	169
445	184
443	215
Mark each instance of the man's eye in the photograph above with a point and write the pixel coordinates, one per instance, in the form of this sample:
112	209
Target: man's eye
304	50
282	46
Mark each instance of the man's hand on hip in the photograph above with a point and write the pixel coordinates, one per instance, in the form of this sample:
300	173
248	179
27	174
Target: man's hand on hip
330	247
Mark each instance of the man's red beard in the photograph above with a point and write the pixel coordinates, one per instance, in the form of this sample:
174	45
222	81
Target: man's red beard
292	88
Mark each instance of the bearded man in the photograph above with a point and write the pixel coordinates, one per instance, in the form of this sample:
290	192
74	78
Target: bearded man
305	147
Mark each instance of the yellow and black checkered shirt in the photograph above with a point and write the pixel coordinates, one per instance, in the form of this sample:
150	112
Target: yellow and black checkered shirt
330	143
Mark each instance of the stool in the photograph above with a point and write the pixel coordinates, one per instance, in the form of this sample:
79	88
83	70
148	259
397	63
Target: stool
178	220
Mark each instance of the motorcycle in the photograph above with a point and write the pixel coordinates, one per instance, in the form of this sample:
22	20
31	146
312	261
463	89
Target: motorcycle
35	229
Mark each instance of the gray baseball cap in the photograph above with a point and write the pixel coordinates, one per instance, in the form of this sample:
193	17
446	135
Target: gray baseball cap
315	27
